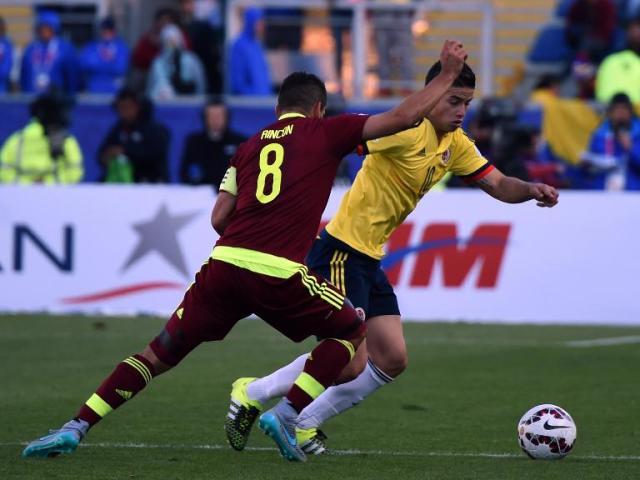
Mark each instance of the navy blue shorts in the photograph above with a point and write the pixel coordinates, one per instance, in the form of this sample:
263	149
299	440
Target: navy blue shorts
356	275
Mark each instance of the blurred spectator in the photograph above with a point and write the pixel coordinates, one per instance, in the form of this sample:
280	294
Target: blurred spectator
499	136
206	154
394	44
136	147
176	71
248	69
206	43
149	45
613	159
6	58
104	62
547	168
590	28
620	72
44	151
550	84
49	61
517	148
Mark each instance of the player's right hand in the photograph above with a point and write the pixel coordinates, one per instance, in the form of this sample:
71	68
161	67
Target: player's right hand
546	195
452	58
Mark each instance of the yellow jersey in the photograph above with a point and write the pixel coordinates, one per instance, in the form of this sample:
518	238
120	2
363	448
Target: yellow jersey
397	172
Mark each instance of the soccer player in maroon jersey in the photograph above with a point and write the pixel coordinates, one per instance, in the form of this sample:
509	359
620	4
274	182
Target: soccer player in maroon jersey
267	214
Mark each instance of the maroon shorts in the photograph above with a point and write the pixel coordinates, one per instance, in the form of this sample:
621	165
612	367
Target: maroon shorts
300	306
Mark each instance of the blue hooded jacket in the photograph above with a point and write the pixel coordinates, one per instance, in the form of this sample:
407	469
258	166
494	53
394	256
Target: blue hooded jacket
603	145
6	62
104	65
248	68
49	64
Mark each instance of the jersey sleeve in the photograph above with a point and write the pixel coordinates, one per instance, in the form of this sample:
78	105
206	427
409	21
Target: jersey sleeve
390	144
467	162
344	132
229	181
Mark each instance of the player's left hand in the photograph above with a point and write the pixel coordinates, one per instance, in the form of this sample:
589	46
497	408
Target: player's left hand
545	195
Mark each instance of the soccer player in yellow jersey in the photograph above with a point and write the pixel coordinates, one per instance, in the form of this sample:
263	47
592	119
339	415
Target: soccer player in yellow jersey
397	172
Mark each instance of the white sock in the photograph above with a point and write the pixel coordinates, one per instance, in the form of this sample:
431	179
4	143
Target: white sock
278	383
337	399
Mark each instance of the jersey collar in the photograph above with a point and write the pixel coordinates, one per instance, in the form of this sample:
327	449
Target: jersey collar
445	141
291	115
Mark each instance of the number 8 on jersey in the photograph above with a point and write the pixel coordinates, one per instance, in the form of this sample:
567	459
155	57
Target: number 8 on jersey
272	169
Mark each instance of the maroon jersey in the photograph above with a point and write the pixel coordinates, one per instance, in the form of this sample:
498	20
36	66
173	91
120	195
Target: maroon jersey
284	176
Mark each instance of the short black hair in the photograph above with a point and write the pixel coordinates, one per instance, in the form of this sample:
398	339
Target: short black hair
215	101
52	109
128	93
302	90
621	98
107	23
466	79
548	81
166	12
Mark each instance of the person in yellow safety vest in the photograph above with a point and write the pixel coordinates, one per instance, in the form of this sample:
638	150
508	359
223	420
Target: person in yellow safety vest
43	151
620	72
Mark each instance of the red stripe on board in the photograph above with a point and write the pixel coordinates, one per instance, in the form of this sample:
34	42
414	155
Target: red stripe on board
121	292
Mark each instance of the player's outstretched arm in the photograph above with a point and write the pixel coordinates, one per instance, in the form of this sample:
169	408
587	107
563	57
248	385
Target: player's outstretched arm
514	190
415	107
222	210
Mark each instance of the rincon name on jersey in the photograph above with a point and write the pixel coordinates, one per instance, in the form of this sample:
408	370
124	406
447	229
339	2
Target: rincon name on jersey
271	134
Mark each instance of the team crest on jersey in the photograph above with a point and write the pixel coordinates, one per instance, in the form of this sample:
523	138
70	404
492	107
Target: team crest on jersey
446	155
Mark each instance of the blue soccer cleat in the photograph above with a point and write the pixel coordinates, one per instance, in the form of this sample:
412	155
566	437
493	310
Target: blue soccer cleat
65	440
278	423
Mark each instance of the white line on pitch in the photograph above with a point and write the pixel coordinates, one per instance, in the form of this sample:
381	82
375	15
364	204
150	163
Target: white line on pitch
603	342
352	452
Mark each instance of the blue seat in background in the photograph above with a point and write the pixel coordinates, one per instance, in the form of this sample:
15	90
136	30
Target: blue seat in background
563	7
550	46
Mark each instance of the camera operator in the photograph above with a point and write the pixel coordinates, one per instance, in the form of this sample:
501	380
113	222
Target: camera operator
497	134
44	151
613	159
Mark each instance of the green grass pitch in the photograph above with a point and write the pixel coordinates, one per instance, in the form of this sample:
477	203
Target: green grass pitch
452	415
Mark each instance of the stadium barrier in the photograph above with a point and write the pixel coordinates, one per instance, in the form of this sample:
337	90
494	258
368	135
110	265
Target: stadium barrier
93	116
460	256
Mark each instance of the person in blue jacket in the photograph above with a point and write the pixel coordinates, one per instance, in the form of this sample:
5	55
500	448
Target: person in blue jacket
248	69
104	62
6	58
49	61
613	159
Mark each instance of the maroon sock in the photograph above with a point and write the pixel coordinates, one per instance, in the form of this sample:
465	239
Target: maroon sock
324	365
129	377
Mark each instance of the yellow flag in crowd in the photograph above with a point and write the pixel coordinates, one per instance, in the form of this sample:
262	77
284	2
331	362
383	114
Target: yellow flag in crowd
567	124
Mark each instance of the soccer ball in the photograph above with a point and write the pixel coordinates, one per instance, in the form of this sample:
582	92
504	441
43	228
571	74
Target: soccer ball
546	432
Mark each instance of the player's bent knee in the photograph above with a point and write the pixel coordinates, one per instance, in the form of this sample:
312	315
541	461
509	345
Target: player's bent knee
357	340
393	363
352	328
169	349
353	369
159	366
